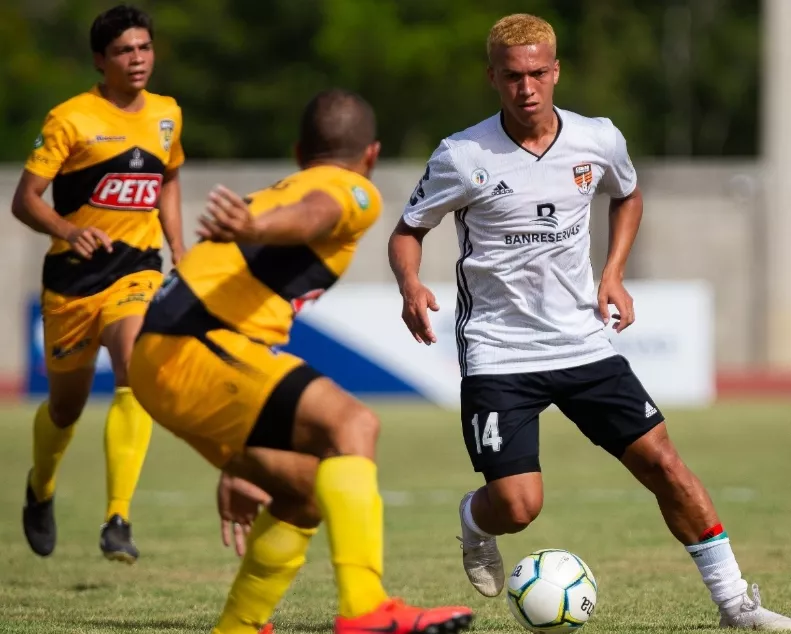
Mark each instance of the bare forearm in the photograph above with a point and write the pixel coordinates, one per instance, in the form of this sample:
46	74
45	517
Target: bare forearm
31	210
405	251
313	217
170	215
625	216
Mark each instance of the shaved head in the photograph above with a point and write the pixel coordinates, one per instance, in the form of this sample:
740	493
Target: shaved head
336	125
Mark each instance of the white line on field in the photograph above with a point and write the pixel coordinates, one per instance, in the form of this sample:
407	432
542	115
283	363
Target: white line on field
439	497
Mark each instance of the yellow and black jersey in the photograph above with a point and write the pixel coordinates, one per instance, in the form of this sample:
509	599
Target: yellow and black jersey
107	167
256	290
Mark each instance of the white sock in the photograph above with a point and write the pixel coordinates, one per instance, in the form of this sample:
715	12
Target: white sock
466	515
720	571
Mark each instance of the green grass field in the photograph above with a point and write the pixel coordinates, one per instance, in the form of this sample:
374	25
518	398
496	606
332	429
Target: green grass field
647	583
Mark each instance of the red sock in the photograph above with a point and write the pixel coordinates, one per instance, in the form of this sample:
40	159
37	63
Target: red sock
711	532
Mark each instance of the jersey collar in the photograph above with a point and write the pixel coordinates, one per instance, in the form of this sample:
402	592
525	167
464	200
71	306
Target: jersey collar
538	157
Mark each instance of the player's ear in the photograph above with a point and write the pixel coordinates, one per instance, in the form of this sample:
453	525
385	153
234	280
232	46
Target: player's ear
373	152
490	75
557	71
370	156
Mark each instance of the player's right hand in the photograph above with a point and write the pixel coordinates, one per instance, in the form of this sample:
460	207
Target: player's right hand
228	219
85	240
418	299
238	503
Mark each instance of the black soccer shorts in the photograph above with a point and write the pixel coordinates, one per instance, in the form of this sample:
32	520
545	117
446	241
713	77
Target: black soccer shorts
499	412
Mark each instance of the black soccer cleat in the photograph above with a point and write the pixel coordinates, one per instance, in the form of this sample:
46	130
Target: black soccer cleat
116	541
38	520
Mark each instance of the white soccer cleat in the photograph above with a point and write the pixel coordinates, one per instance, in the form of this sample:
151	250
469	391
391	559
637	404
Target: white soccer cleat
482	561
749	615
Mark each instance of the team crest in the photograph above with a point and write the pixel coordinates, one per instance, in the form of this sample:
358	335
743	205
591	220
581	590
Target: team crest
480	177
166	128
361	197
583	177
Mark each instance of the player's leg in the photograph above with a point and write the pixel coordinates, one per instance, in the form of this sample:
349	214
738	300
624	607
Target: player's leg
128	426
499	415
690	515
70	347
324	421
610	405
276	550
53	429
212	400
259	402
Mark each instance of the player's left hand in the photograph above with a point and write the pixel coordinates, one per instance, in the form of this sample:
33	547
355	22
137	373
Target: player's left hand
612	291
176	253
229	218
238	503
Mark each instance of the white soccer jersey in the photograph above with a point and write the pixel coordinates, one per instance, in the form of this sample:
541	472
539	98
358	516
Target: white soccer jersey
526	296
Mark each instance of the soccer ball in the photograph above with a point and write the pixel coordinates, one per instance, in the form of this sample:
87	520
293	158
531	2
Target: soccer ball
551	591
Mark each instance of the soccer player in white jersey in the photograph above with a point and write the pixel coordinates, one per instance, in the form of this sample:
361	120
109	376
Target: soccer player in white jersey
530	324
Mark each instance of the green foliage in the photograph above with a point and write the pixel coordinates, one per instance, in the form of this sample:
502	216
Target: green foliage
678	77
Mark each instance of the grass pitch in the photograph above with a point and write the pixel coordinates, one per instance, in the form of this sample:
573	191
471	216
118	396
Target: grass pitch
647	583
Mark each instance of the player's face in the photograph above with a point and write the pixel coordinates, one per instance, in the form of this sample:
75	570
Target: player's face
525	77
128	61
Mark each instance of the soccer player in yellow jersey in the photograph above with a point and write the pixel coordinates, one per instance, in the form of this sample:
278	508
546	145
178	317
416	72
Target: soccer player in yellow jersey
207	367
112	155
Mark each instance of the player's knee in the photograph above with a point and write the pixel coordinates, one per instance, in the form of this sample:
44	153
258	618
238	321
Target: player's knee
356	435
64	413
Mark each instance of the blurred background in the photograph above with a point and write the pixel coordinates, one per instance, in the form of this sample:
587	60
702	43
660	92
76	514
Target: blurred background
699	88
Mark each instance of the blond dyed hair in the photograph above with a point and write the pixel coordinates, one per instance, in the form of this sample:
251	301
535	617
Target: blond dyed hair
520	29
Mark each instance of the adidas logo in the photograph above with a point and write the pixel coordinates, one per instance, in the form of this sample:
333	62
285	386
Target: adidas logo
650	410
501	189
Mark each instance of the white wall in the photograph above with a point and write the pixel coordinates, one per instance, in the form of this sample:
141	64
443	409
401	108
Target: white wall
702	221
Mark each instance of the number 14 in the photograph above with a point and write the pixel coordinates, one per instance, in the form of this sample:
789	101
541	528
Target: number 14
491	433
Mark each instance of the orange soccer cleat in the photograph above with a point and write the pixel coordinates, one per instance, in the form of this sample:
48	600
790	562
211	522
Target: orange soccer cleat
395	617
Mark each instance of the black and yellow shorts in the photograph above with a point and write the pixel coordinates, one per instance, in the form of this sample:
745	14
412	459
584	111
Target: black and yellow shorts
73	325
220	391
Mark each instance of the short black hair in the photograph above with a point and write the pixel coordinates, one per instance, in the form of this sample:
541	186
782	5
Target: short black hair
110	24
336	124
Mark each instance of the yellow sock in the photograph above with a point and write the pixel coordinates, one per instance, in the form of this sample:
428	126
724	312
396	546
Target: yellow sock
275	553
349	500
126	436
49	445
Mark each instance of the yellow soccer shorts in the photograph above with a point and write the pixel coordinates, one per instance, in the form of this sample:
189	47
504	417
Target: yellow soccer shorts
73	325
219	392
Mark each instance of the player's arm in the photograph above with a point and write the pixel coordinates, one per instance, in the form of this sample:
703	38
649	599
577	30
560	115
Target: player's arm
626	211
170	213
441	189
30	208
229	219
405	251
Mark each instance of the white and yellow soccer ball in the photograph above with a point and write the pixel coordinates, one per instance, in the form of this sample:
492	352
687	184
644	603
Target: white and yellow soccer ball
552	591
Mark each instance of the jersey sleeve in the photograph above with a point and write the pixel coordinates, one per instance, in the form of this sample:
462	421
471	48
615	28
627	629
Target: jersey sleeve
176	149
441	189
51	148
619	179
361	205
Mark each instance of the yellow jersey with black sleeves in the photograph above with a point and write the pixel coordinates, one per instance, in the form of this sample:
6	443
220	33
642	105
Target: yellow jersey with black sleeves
256	290
107	166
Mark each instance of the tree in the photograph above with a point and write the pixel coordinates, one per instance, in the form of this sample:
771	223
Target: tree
678	77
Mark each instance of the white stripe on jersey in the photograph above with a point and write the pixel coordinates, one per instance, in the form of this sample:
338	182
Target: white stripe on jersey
526	297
